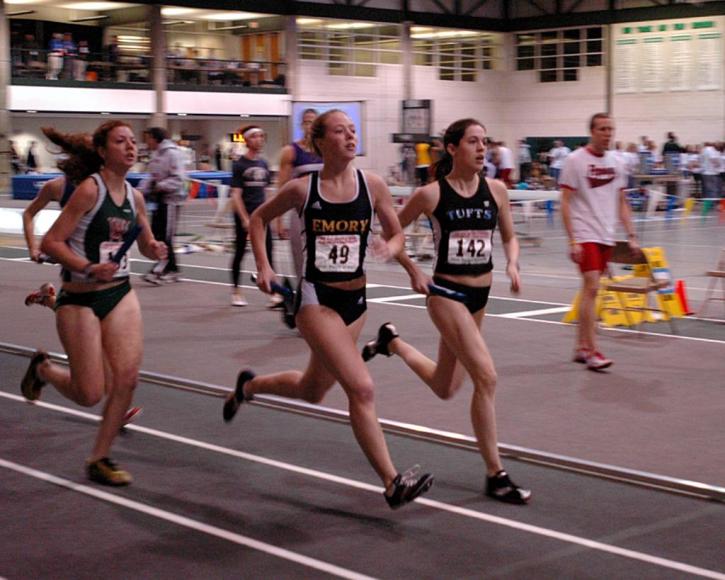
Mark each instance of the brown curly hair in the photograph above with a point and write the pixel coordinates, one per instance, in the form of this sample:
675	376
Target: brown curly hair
82	158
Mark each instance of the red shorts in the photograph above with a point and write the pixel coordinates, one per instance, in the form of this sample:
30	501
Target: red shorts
594	257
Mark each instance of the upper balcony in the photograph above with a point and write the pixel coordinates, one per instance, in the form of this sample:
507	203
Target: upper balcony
98	56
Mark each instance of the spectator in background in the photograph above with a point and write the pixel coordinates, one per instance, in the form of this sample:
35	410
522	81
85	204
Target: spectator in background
31	161
15	163
80	63
55	56
506	164
165	185
422	162
70	52
113	57
30	53
218	157
671	146
524	154
694	166
557	155
710	171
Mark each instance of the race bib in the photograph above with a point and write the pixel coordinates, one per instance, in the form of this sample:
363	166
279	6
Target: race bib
469	247
106	253
337	253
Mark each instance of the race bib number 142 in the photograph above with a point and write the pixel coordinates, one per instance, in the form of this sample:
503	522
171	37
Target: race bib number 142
469	247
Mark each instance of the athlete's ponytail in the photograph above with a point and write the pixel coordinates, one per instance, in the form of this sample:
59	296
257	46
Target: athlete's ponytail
81	158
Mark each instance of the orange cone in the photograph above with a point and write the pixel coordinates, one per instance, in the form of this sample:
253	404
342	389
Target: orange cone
681	292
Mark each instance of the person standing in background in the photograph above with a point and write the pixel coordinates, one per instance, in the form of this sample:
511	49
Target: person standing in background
250	177
557	155
31	161
592	201
165	185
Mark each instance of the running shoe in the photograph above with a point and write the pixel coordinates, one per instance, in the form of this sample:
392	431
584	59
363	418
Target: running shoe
380	344
407	486
501	488
31	384
45	296
231	405
275	301
169	278
153	278
581	355
238	299
106	472
596	361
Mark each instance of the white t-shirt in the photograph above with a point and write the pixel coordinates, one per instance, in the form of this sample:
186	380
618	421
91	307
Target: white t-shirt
506	158
557	156
596	181
710	161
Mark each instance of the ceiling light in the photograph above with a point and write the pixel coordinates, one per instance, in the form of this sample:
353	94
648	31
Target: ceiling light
307	21
89	18
225	16
97	6
350	25
177	11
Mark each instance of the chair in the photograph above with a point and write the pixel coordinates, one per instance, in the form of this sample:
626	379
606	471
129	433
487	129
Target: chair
719	272
623	255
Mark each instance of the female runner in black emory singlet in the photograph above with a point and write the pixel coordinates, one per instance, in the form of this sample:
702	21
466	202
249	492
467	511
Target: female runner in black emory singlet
336	206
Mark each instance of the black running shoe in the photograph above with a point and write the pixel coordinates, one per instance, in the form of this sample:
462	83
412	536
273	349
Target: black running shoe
106	472
407	486
231	405
31	384
380	344
501	488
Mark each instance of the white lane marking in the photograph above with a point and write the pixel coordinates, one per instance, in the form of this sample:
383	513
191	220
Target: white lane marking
391	301
395	298
537	530
185	522
556	310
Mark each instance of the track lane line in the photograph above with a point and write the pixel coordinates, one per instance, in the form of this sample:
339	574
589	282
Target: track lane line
442	506
184	521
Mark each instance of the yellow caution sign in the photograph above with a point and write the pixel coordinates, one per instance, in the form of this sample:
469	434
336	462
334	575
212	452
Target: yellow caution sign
660	269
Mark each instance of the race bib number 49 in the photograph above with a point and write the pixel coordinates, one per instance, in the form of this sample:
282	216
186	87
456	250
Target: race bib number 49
106	253
469	247
338	253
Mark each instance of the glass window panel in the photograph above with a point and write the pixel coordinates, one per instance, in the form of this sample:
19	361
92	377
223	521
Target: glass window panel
571	61
549	49
549	36
595	32
572	34
594	60
571	74
571	48
547	76
594	46
525	51
548	63
525	64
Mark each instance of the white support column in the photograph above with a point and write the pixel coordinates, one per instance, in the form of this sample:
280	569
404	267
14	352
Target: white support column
158	70
5	126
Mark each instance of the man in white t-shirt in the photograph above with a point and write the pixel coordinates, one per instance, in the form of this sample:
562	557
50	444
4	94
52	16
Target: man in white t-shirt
557	155
592	201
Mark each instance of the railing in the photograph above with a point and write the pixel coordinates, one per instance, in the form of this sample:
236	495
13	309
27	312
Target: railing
33	63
